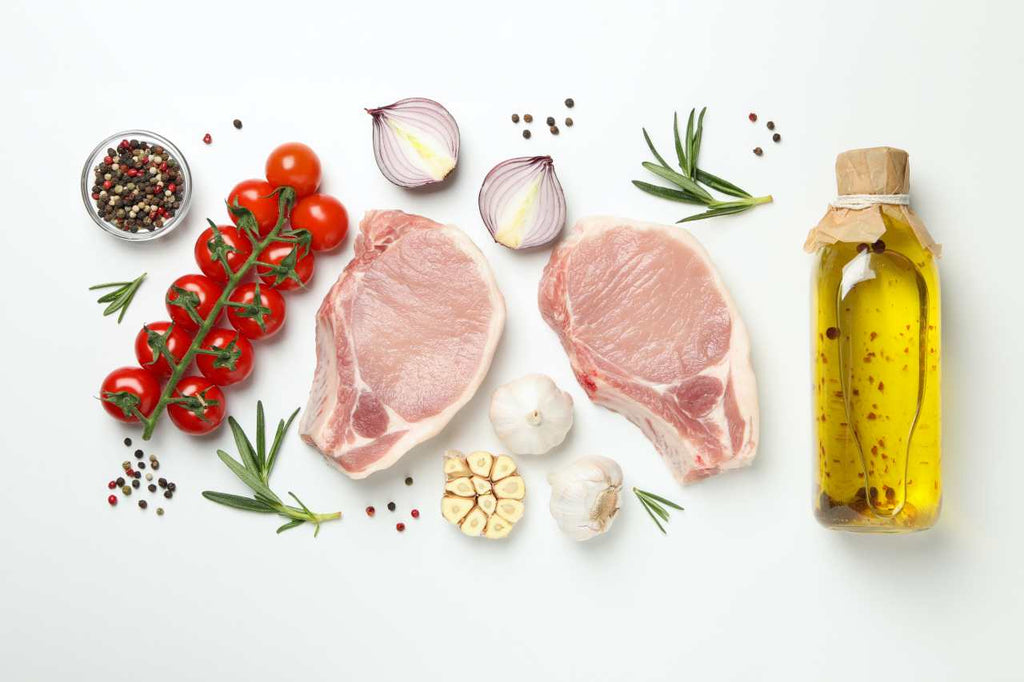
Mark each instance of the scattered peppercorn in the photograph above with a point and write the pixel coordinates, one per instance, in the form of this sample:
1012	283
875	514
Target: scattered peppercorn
149	476
568	123
143	504
136	484
526	134
758	151
112	500
112	485
142	465
171	486
771	125
127	490
408	480
168	494
832	333
391	506
119	481
528	118
151	488
136	474
515	118
237	123
570	102
155	464
126	465
415	513
127	441
861	248
370	511
139	454
752	116
207	138
137	187
550	120
400	527
878	247
776	138
159	511
554	130
162	482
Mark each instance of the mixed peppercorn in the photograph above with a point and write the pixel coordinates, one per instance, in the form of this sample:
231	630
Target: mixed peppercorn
371	511
549	121
776	137
131	479
138	186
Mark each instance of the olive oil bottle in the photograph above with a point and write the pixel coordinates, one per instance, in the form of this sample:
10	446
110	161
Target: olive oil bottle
877	353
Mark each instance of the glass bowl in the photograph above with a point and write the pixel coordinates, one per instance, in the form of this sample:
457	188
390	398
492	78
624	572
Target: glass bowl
97	155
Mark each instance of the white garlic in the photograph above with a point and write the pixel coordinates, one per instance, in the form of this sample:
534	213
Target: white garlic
585	496
531	415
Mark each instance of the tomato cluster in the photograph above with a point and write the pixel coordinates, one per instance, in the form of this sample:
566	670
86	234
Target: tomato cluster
255	309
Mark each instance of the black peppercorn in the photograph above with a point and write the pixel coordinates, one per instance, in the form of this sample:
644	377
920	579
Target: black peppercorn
550	120
408	480
758	151
172	487
568	123
776	137
391	506
128	442
832	333
771	125
136	484
515	118
526	134
151	487
237	123
168	494
143	504
162	482
570	102
119	481
878	247
138	454
141	465
554	130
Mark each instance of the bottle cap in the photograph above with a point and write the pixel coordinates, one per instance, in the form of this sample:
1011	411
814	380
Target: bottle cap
875	170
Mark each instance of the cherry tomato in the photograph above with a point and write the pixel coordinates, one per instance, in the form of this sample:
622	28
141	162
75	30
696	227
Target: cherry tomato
147	352
225	240
285	265
128	389
190	299
324	217
295	165
256	317
202	409
225	357
257	196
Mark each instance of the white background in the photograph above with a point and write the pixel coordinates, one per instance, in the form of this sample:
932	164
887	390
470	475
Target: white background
745	586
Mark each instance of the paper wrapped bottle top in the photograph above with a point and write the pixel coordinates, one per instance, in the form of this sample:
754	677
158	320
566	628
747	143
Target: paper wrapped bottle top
875	170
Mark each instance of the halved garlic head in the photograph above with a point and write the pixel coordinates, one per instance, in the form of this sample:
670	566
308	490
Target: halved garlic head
483	493
415	141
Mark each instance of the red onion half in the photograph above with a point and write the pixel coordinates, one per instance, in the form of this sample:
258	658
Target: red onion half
415	141
522	203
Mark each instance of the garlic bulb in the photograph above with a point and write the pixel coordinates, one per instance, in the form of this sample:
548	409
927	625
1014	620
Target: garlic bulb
531	415
585	496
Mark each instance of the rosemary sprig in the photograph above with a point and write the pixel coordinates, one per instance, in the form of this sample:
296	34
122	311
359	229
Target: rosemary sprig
690	181
120	298
254	470
653	505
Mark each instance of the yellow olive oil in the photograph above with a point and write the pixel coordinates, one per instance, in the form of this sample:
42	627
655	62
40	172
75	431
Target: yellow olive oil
877	374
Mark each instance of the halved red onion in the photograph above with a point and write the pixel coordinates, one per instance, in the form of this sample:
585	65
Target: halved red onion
415	141
522	203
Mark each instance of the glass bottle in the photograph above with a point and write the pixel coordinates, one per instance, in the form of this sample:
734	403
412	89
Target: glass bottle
877	353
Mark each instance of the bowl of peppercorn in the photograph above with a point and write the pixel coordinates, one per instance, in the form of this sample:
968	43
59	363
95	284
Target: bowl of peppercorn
136	185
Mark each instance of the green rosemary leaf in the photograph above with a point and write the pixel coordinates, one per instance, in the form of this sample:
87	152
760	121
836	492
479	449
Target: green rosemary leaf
717	183
692	161
292	524
238	502
656	508
654	151
715	212
667	192
653	517
245	450
247	477
695	152
680	180
261	437
680	154
662	500
120	298
304	507
282	428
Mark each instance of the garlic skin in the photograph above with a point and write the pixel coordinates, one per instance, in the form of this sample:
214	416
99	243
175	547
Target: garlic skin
585	496
531	415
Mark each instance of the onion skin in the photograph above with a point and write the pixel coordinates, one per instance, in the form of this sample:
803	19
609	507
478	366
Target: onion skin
522	203
415	141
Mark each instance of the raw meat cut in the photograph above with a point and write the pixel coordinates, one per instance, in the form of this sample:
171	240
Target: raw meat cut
652	334
403	340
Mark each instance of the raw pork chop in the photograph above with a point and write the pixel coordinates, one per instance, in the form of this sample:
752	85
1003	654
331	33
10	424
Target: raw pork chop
652	334
403	340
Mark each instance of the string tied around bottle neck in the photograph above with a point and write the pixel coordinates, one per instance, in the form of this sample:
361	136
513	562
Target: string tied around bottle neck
861	201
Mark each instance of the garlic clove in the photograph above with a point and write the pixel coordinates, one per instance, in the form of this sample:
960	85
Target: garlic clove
481	485
480	463
454	508
503	466
474	522
463	487
454	465
489	503
585	496
531	415
510	510
512	487
497	528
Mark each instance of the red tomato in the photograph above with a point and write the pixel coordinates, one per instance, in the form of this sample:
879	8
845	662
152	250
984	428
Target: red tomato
224	240
147	346
285	265
257	196
256	311
324	217
127	391
294	165
225	357
198	405
191	299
